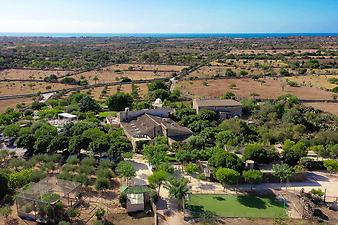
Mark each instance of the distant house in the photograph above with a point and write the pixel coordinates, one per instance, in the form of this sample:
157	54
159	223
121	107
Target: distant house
67	117
144	125
63	119
225	108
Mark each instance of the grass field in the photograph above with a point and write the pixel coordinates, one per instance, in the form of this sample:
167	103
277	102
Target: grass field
247	206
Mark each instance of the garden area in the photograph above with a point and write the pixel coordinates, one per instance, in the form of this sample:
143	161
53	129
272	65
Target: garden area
246	206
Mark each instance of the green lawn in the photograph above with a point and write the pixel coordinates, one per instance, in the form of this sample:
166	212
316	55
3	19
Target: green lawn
236	206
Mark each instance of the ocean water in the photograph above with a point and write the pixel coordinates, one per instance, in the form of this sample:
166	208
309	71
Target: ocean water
171	35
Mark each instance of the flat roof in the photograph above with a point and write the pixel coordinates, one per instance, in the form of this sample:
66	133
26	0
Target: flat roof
217	102
68	115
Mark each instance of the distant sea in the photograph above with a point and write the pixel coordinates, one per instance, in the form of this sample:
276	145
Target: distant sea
171	35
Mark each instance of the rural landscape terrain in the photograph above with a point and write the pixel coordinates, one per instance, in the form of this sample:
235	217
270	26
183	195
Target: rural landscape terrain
127	130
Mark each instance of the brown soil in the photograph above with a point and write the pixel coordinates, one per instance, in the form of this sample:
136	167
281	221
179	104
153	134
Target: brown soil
324	106
321	81
29	74
264	88
16	88
125	219
113	73
96	92
4	104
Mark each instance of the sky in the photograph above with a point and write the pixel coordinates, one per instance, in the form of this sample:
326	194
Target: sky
169	16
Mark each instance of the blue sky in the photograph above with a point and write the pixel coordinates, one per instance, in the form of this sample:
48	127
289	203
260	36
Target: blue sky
168	16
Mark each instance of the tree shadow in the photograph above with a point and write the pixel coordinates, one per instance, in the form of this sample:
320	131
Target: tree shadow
316	177
218	198
196	208
251	201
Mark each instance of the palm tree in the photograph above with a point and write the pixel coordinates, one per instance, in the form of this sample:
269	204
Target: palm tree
179	189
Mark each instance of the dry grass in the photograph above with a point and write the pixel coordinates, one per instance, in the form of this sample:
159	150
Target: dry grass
16	88
4	104
96	92
324	106
29	74
320	81
141	72
276	51
243	62
271	88
109	76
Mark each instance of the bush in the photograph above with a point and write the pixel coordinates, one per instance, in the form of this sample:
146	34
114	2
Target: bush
37	175
191	168
311	164
19	179
64	223
73	160
86	169
4	184
99	213
167	167
81	178
72	213
260	153
318	192
127	155
102	183
88	161
331	165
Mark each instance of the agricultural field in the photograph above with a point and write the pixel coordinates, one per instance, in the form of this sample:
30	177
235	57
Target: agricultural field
321	81
134	72
250	63
270	51
98	93
266	88
324	106
12	103
30	74
17	88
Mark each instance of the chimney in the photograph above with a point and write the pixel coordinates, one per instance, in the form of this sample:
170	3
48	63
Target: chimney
126	110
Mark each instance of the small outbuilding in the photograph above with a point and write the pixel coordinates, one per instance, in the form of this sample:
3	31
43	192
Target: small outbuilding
225	108
135	202
137	198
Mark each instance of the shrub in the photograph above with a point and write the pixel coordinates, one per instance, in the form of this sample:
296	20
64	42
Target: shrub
318	192
311	164
73	160
191	168
19	179
127	155
167	167
86	169
72	213
102	183
81	178
99	213
37	175
64	223
331	165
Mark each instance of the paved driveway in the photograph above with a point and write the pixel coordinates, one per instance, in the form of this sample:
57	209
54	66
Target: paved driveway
142	170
